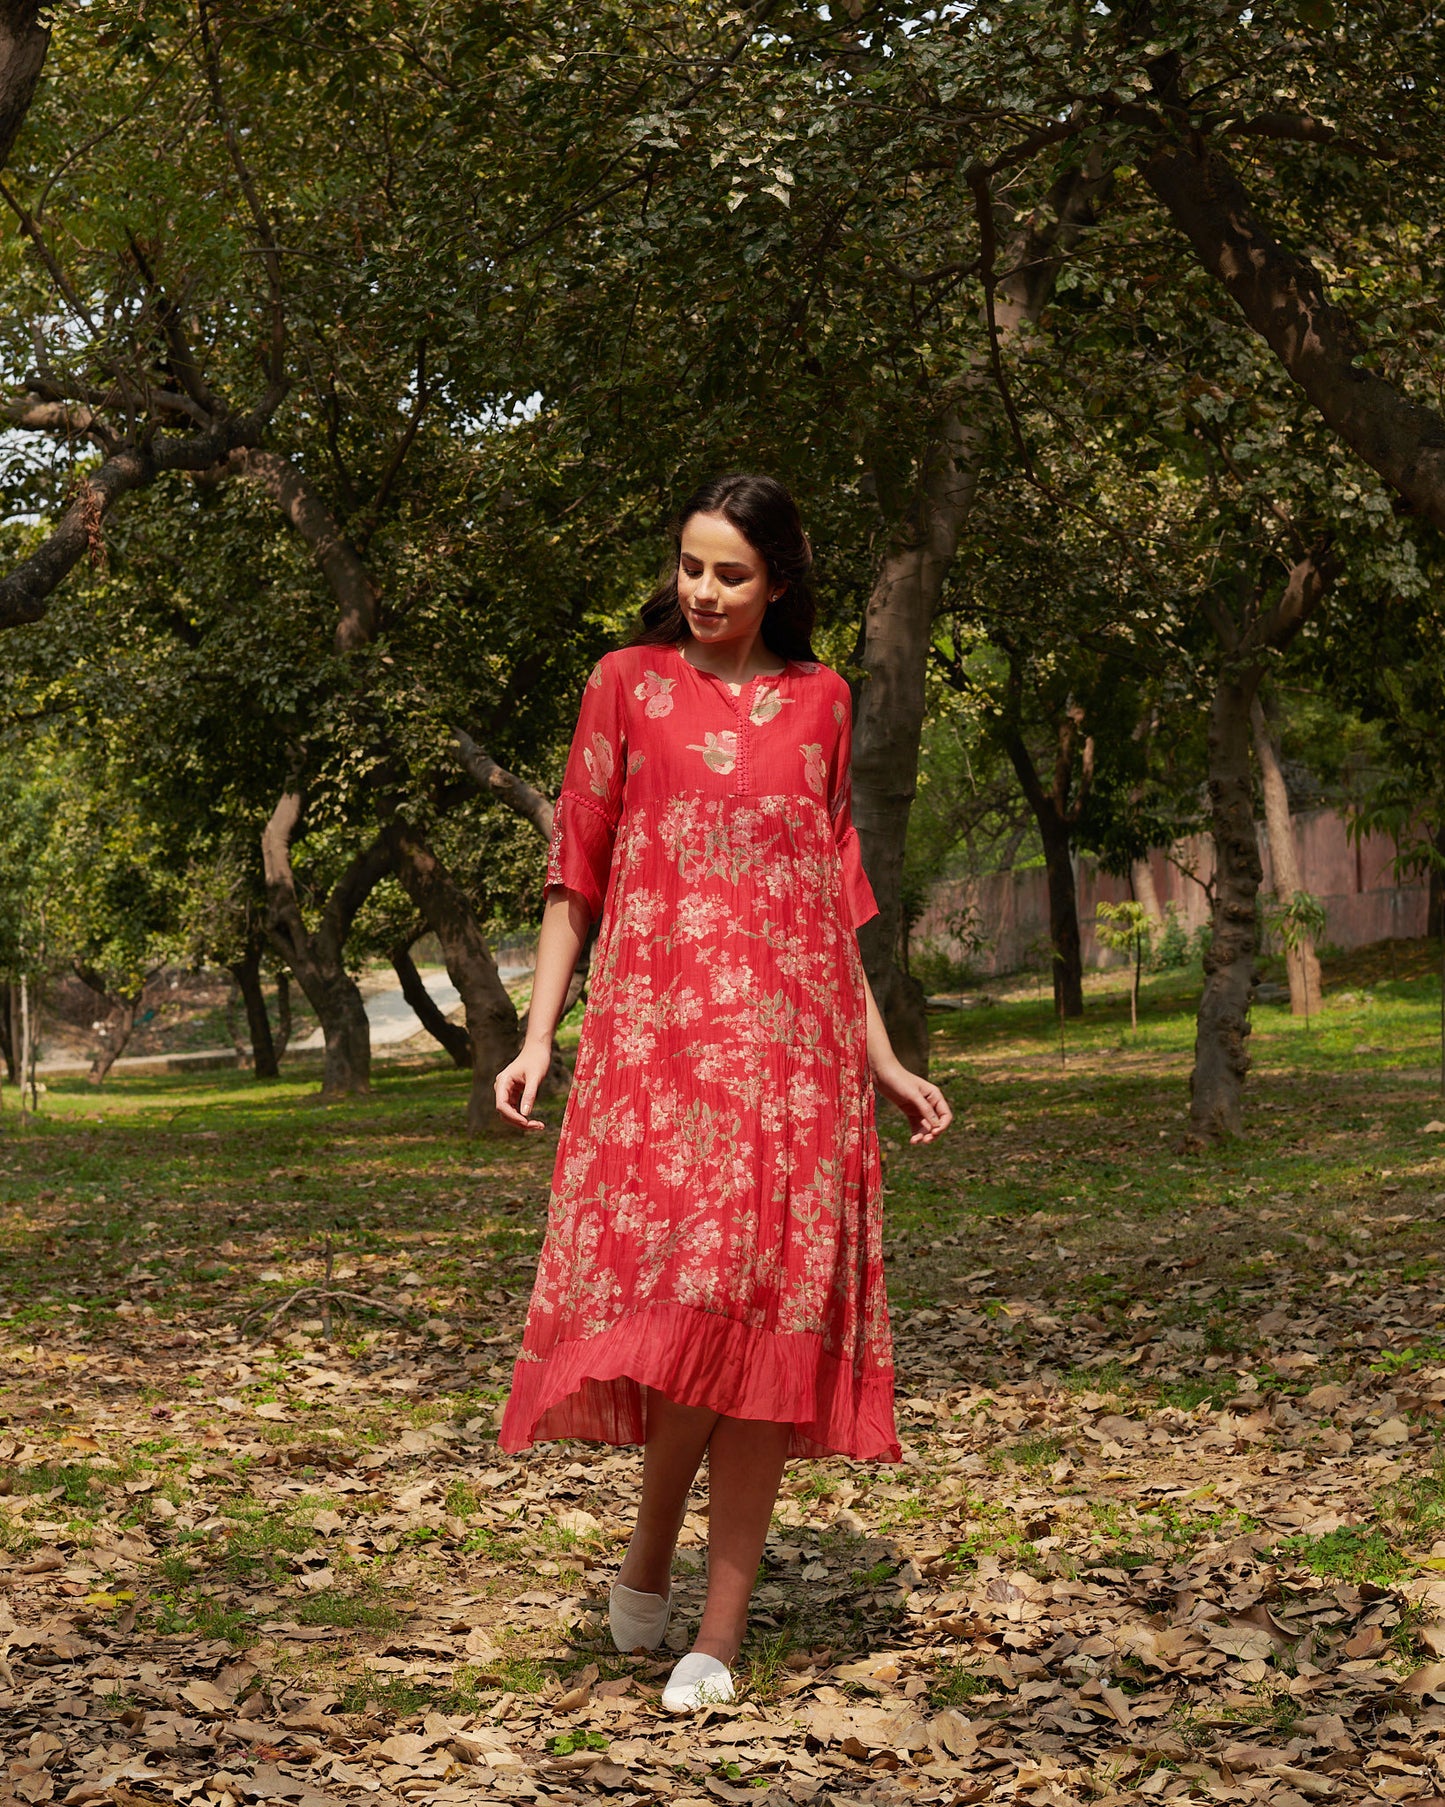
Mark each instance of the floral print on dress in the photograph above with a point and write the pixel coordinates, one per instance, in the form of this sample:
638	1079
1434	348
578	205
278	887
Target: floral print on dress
655	695
715	1226
719	751
767	705
600	764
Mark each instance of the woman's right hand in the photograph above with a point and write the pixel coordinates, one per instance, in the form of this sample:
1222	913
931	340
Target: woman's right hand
519	1083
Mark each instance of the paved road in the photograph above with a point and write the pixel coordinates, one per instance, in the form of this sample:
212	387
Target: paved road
391	1018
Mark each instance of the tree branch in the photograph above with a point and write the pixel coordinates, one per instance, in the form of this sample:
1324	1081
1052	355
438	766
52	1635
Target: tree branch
183	363
1282	296
1309	581
350	583
270	255
398	456
26	589
285	911
496	781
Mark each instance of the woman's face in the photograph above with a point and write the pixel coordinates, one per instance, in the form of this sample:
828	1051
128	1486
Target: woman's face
722	581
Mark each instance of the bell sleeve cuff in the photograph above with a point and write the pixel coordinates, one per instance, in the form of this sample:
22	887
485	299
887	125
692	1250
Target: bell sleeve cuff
580	855
859	903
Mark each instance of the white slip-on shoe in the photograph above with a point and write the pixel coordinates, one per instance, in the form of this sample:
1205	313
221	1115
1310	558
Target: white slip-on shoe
697	1681
638	1621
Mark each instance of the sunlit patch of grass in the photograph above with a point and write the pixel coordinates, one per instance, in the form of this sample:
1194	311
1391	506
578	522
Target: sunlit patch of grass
1003	1541
16	1538
1350	1553
954	1685
1417	1505
394	1695
1041	1450
522	1674
1212	1390
461	1499
258	1542
80	1483
347	1612
1109	1378
764	1662
177	1615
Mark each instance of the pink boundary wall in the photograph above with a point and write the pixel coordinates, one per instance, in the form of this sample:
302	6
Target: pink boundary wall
1355	880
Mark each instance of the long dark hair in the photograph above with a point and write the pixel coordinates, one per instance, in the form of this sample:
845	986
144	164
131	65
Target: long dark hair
767	517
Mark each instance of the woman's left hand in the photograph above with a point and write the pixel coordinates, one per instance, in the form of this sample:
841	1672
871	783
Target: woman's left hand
920	1100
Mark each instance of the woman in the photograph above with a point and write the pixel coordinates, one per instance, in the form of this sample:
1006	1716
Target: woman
712	1276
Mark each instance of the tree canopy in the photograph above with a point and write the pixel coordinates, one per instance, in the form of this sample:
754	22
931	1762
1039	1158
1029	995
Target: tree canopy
354	357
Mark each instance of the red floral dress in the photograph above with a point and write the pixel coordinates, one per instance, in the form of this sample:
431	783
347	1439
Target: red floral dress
715	1223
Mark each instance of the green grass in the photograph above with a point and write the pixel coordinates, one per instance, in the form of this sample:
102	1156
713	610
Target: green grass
1121	1557
1348	1554
1418	1505
1093	1128
1036	1452
765	1662
1214	1391
79	1483
347	1612
956	1686
179	1614
254	1549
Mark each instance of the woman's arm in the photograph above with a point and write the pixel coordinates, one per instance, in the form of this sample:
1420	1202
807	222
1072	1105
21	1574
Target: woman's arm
920	1100
565	921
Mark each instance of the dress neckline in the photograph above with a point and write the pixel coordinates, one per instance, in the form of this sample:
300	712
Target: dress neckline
757	678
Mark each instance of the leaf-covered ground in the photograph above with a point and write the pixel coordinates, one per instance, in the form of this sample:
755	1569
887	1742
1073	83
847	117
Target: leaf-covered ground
1171	1519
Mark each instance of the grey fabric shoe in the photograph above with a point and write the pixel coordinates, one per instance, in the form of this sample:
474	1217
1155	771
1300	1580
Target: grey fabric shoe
638	1621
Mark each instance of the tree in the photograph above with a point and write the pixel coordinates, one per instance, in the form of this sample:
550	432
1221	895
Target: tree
1125	927
1301	961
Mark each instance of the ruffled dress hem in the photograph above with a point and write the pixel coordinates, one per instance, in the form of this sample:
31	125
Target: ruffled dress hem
593	1388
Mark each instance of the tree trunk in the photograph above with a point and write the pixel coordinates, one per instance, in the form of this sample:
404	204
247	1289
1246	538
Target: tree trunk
282	1038
1055	816
889	723
1435	909
897	628
1221	1058
9	1039
318	958
247	973
491	1014
23	44
1146	892
1063	919
452	1036
1302	962
119	1023
29	1051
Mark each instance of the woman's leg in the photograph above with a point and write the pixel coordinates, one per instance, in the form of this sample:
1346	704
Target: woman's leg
745	1469
677	1435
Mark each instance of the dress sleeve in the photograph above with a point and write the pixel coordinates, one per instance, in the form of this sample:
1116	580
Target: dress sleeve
584	822
859	904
